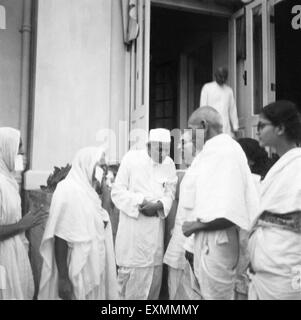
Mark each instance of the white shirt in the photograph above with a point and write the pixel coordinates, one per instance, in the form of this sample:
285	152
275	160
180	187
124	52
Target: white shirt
222	99
139	239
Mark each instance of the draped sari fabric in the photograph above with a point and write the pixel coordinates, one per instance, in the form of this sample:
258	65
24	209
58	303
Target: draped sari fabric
76	216
275	253
17	279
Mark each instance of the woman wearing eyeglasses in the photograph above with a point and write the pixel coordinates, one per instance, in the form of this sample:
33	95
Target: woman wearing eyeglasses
275	241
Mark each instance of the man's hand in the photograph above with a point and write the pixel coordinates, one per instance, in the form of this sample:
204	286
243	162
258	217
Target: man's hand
190	227
65	289
32	219
149	209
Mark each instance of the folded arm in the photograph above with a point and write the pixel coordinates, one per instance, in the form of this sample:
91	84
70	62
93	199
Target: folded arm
190	227
125	200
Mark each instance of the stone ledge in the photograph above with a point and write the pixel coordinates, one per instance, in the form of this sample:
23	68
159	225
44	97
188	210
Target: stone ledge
33	179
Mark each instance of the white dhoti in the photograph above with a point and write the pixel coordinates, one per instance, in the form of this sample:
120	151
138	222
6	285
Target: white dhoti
140	283
174	279
182	284
215	259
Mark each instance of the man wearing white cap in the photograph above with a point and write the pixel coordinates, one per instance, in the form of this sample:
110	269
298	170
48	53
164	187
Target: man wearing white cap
143	191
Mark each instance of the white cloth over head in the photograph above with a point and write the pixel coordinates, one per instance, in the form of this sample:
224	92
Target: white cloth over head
76	216
14	258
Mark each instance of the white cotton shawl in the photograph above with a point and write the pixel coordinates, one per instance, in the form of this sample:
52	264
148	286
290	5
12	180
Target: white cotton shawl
76	215
221	184
281	188
13	251
276	253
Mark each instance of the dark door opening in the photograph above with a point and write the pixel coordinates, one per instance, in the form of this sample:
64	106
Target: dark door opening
288	57
177	36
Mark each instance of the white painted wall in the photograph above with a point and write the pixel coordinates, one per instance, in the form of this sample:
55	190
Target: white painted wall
10	64
118	103
72	91
80	81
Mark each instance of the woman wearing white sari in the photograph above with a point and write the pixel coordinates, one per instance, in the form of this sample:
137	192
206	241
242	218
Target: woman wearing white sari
16	280
275	244
77	246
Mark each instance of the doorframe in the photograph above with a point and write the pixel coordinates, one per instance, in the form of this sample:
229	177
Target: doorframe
232	55
194	6
268	59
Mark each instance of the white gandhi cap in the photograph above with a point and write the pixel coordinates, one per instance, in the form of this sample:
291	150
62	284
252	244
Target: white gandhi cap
159	135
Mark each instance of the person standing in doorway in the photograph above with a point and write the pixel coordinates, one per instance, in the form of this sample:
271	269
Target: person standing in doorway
219	95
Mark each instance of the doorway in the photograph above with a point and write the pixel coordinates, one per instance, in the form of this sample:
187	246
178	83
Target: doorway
185	48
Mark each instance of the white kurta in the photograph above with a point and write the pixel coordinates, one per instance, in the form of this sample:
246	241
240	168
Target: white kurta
276	253
76	216
222	187
222	99
16	280
139	239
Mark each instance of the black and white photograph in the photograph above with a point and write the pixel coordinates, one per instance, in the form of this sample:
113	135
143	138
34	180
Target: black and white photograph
150	150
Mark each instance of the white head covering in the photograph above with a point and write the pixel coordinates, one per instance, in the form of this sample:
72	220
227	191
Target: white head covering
83	165
76	215
9	146
159	135
9	189
13	252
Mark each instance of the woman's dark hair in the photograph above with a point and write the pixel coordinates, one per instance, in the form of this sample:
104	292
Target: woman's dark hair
285	113
257	154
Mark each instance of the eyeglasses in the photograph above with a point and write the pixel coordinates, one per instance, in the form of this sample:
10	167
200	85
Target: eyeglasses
262	125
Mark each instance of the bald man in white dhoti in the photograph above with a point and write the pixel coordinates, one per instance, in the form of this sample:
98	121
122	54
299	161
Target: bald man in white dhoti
222	198
143	191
